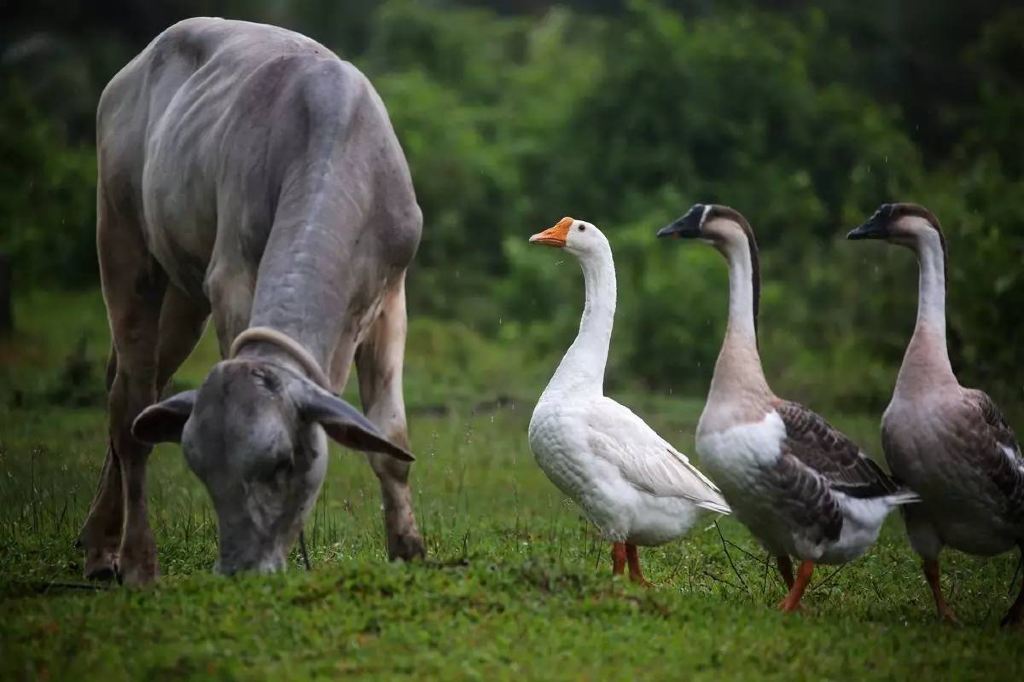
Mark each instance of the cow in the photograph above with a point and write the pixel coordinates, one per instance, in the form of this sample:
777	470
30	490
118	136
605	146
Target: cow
248	173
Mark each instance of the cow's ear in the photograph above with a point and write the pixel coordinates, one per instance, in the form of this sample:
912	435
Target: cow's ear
345	424
164	421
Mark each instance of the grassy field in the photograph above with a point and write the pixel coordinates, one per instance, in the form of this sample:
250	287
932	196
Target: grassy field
516	586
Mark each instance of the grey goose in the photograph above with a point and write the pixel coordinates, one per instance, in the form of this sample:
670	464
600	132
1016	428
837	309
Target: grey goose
950	443
800	486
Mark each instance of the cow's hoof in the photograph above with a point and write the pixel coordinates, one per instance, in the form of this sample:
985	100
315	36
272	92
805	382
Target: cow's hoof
137	577
406	547
137	573
947	616
100	564
103	574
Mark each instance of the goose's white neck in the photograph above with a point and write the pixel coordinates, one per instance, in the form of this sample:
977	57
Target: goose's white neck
582	369
738	371
931	301
741	325
926	363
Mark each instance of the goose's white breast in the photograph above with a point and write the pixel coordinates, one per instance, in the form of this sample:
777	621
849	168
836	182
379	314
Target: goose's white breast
738	453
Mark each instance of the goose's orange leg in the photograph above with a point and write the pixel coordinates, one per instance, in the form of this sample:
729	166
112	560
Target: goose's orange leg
618	558
796	592
635	574
931	574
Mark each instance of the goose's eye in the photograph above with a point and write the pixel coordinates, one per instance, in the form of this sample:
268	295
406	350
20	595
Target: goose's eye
581	228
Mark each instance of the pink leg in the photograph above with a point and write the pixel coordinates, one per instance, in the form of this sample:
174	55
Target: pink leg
931	574
635	574
618	558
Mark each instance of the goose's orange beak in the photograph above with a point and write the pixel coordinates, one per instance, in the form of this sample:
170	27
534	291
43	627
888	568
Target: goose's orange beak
554	236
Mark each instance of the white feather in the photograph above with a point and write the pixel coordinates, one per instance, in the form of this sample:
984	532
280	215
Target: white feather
629	481
647	460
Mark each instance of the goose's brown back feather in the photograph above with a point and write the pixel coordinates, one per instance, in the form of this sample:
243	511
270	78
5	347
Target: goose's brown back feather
808	500
822	447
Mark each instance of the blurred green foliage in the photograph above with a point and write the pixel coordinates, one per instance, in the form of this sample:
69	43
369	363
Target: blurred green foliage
805	116
47	194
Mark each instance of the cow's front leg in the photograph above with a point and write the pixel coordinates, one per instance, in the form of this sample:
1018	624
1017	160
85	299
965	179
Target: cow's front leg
133	290
379	362
133	287
100	536
181	325
133	391
231	290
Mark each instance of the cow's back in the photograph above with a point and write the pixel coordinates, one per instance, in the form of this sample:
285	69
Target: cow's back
203	134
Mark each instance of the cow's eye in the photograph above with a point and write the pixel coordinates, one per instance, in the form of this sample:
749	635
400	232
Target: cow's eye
280	462
283	466
266	379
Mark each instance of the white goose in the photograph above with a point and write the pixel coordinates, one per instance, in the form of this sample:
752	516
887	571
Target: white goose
631	483
950	443
799	485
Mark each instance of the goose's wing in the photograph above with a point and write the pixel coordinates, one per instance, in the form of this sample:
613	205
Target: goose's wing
824	449
999	428
646	460
806	498
993	444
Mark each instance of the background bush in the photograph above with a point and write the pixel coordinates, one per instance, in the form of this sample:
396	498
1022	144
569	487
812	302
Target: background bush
805	116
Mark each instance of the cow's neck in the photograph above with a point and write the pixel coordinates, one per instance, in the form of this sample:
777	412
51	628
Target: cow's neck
302	289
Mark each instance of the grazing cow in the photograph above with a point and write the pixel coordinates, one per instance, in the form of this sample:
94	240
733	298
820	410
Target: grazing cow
245	170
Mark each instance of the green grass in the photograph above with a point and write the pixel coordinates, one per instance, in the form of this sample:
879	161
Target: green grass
517	585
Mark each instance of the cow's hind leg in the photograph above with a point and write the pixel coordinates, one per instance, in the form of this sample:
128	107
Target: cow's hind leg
379	361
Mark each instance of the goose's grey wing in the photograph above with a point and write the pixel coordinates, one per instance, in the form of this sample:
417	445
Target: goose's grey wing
998	426
985	435
807	500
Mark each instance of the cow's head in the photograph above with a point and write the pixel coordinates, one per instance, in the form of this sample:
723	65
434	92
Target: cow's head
254	434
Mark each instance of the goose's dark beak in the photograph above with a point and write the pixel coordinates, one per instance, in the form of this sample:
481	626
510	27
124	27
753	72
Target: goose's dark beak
875	227
686	227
